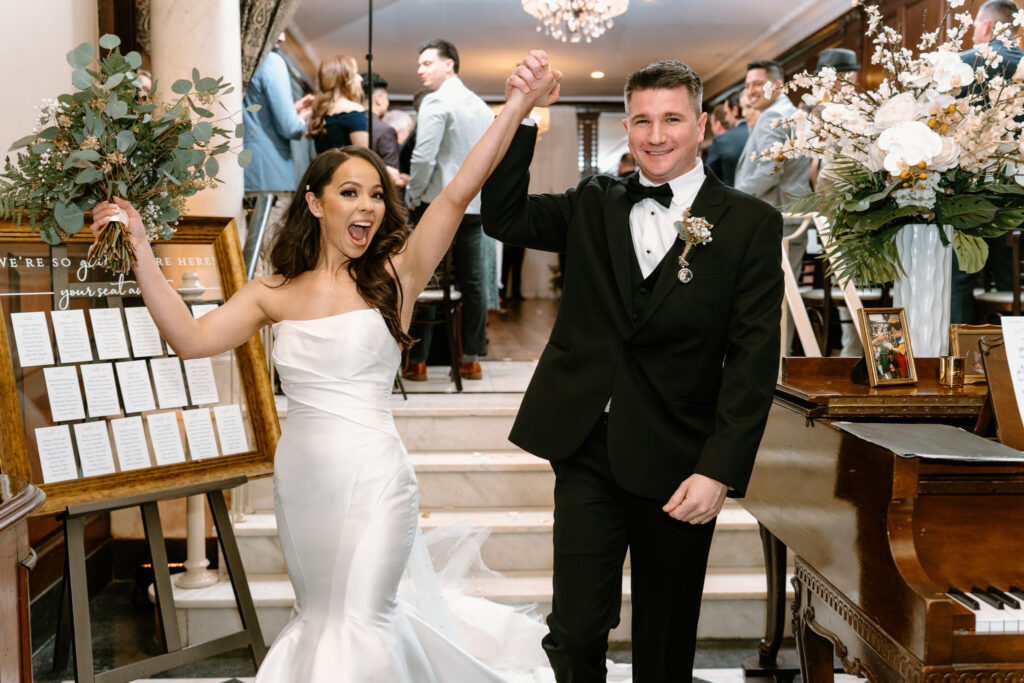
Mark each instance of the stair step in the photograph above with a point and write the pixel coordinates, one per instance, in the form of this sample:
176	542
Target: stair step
518	539
733	603
476	479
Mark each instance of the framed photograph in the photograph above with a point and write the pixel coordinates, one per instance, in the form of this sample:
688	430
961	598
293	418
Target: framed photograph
94	404
963	341
887	346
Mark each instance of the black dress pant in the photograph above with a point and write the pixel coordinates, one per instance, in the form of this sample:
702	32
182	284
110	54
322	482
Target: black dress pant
595	522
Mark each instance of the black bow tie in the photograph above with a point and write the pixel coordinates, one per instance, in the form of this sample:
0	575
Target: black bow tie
638	192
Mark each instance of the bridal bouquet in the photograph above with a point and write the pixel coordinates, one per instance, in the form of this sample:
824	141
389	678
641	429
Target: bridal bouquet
107	140
936	142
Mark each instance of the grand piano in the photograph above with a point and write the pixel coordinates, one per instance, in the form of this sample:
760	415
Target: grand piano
884	539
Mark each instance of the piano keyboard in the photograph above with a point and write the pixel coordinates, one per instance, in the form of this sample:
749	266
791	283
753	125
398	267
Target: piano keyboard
994	611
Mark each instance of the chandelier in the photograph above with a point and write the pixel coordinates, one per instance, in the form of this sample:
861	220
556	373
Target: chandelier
575	19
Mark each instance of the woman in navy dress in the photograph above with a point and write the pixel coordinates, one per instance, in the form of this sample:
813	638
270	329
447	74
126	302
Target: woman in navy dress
339	118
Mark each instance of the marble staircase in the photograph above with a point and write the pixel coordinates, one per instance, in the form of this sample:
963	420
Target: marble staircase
470	474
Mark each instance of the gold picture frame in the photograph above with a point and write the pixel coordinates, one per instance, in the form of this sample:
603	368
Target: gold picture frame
963	341
57	278
887	348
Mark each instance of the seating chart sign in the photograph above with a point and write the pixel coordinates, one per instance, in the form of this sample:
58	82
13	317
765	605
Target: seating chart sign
95	402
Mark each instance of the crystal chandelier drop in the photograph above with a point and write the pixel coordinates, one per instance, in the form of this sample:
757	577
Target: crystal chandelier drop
571	20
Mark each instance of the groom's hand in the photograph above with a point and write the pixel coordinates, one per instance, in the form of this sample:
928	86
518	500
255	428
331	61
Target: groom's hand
698	500
530	74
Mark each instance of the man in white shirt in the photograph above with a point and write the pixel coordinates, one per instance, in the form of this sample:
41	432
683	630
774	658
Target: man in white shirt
450	121
652	394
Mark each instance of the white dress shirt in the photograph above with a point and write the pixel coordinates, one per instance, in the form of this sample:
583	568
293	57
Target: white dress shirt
651	224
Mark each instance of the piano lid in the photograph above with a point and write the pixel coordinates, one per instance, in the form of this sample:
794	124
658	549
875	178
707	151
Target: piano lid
935	441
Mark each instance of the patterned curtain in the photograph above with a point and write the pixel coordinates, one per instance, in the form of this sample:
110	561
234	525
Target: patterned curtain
262	22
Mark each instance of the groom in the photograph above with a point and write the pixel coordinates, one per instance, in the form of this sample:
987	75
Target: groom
652	394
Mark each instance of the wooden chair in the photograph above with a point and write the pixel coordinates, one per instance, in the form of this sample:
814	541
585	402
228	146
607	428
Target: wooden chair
442	295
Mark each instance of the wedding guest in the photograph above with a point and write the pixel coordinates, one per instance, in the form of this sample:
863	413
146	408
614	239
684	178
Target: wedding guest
451	119
384	138
749	114
268	130
401	122
1000	262
725	150
339	118
627	164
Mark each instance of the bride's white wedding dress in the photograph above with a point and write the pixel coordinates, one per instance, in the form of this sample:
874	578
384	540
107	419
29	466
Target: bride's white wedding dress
346	501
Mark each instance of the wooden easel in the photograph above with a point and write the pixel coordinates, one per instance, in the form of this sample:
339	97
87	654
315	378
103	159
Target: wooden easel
77	589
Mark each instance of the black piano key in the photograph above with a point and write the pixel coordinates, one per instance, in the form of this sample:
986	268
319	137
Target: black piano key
986	598
967	600
1017	592
1006	599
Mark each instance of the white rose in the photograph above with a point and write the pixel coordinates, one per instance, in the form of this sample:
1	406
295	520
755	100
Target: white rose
907	144
903	107
948	72
948	158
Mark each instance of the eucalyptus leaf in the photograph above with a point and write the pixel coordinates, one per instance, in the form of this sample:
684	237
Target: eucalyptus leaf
125	140
253	108
205	113
181	87
245	157
240	130
207	85
50	234
186	140
88	175
21	142
81	56
211	167
81	79
167	214
202	131
49	133
134	59
122	187
69	217
196	77
41	147
109	41
116	109
114	81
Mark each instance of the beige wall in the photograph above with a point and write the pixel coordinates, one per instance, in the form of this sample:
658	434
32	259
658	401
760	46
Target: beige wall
35	36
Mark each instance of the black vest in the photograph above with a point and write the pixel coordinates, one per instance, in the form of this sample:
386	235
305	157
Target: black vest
642	287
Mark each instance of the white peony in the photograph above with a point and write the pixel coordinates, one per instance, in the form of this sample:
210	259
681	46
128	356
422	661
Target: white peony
948	72
903	107
908	144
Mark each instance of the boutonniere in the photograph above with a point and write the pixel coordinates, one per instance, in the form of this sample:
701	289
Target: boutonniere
693	230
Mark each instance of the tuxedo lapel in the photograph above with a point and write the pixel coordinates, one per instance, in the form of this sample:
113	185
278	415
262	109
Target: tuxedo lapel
620	243
708	204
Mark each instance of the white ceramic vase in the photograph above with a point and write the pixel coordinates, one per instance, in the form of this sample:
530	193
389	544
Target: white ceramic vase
924	291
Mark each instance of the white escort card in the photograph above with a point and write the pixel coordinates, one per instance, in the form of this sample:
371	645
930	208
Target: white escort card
72	336
56	455
100	390
135	388
108	333
142	330
202	386
64	393
170	385
199	431
166	438
94	448
130	441
32	338
230	429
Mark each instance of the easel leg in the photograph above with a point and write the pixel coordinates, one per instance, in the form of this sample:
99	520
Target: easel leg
239	584
161	576
78	586
62	642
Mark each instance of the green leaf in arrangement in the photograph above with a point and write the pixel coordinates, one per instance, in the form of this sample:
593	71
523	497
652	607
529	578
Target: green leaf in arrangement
69	217
965	211
240	130
196	77
971	252
114	80
81	56
202	131
125	140
211	167
253	108
134	59
81	79
167	214
122	187
181	87
81	158
21	142
88	175
41	147
185	140
50	234
205	113
109	41
245	157
116	109
50	133
207	85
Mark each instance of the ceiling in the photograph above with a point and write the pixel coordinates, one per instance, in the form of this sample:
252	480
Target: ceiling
715	37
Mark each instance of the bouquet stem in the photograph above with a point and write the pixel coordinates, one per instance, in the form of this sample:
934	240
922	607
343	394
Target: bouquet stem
113	248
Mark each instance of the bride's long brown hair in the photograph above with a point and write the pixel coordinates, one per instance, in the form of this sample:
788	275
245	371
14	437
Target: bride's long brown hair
298	243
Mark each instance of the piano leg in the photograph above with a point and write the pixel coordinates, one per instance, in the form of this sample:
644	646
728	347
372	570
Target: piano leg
768	662
817	656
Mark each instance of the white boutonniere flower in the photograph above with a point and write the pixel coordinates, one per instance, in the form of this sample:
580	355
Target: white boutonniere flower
694	230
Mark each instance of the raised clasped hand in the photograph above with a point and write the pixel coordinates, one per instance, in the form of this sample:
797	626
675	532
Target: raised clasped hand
534	78
104	212
698	500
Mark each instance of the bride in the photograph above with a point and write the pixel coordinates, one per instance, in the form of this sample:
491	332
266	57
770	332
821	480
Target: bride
346	275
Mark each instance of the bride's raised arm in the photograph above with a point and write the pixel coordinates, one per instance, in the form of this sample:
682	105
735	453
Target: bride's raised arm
436	228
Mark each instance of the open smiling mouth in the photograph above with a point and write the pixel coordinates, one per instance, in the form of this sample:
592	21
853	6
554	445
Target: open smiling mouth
359	232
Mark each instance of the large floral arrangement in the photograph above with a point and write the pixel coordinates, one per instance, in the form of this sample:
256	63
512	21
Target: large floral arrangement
109	139
937	142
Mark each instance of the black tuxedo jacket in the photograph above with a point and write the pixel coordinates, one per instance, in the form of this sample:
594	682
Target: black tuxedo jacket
725	152
691	380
